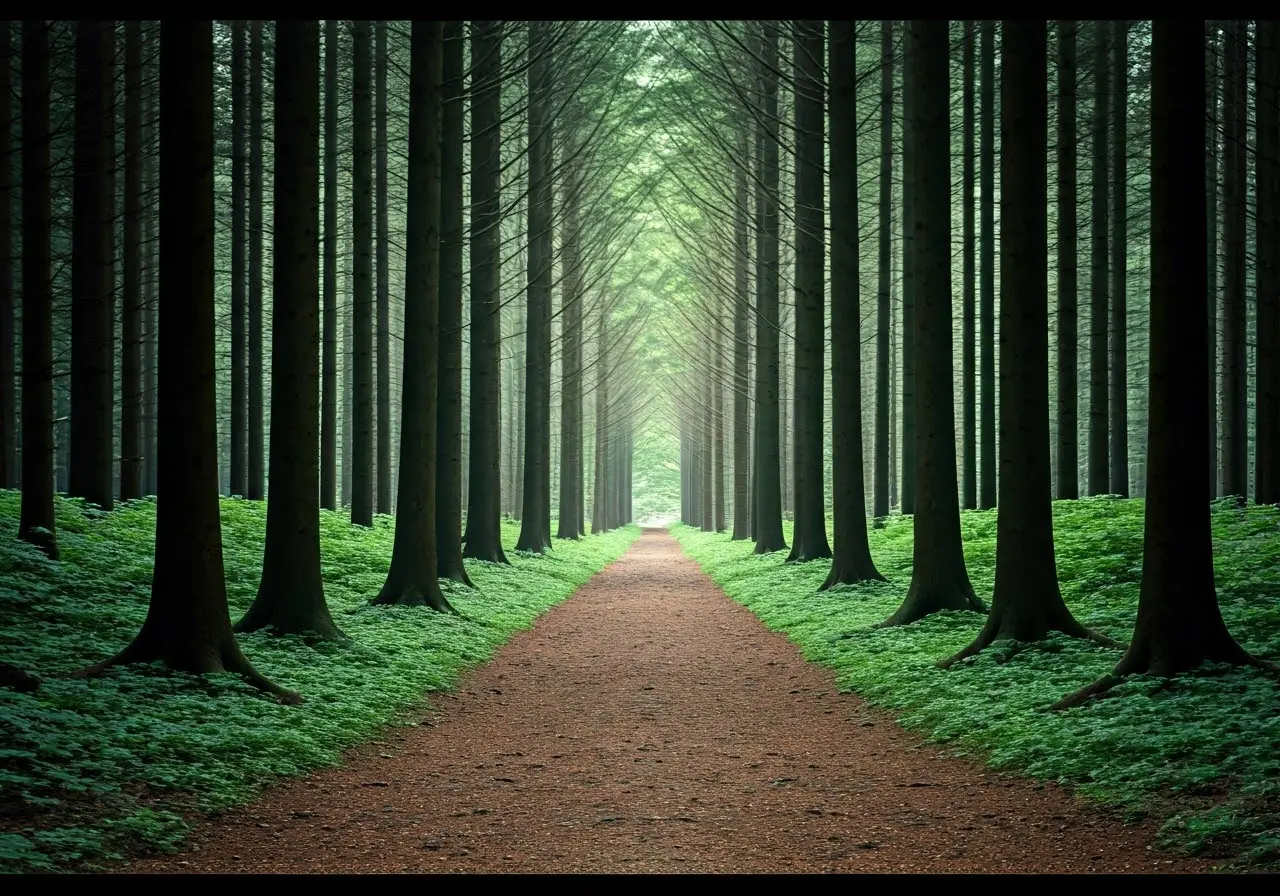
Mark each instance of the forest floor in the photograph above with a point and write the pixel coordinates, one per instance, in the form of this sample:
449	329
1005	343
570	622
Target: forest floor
650	723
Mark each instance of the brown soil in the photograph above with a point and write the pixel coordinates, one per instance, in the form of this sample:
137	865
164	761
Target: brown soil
652	724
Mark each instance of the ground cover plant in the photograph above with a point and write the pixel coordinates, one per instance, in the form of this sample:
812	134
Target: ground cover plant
1202	752
92	769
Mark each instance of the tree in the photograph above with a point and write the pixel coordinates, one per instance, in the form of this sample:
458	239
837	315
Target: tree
291	593
852	558
239	243
256	487
884	307
484	507
362	222
809	537
1067	268
449	393
1098	479
741	335
1179	625
329	365
939	580
9	473
412	578
987	277
187	625
1119	253
969	499
1026	603
37	524
93	266
132	297
383	285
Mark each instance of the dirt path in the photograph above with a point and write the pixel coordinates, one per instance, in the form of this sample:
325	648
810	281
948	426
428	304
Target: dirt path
652	724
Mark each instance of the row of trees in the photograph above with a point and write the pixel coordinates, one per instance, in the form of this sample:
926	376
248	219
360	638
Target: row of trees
1178	624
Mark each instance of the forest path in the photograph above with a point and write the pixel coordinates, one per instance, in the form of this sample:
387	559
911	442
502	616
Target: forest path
650	723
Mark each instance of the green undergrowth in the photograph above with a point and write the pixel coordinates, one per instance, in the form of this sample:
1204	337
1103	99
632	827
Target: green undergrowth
1200	753
93	769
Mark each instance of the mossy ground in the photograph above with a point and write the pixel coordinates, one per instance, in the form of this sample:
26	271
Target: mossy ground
94	769
1202	752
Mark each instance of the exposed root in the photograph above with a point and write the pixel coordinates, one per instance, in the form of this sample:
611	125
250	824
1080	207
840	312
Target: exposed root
1099	688
411	596
851	574
991	633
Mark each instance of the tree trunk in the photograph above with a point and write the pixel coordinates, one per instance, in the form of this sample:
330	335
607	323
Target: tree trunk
1266	235
449	392
239	243
809	537
717	430
348	372
884	307
329	365
1212	184
1119	253
907	452
969	499
362	302
484	508
412	578
257	479
290	597
768	485
131	323
1026	603
939	580
852	557
570	521
1235	370
987	283
187	626
149	279
93	266
9	474
383	464
1179	625
1098	480
535	513
1068	301
599	500
741	347
37	521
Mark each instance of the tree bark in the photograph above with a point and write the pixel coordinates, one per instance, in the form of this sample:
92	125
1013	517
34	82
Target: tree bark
362	446
1266	236
1212	184
884	306
1235	360
449	392
131	322
852	557
37	524
329	363
569	524
484	508
239	278
741	347
939	580
149	279
1098	480
383	464
93	266
1026	603
1068	252
257	478
187	626
1119	253
969	499
1179	626
987	283
290	596
412	578
10	476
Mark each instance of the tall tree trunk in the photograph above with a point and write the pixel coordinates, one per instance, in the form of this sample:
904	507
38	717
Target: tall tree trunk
362	302
239	243
1119	270
484	507
570	522
290	596
987	282
1212	183
768	484
852	557
383	464
969	499
1098	480
708	469
884	307
1026	603
187	626
1068	298
1266	235
131	322
741	347
809	538
348	372
907	452
149	279
939	580
535	512
449	389
9	474
599	492
412	578
93	266
1235	371
37	521
1179	625
329	362
257	479
717	429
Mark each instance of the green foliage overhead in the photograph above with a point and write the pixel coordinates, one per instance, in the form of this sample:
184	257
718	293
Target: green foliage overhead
91	769
1202	753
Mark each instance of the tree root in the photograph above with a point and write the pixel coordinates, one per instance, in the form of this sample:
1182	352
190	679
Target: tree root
851	574
1099	688
991	633
410	596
